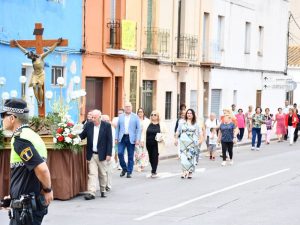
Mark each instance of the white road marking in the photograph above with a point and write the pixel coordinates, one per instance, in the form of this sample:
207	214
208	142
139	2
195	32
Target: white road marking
210	194
168	174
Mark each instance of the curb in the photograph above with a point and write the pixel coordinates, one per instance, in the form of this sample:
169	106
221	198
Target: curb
174	155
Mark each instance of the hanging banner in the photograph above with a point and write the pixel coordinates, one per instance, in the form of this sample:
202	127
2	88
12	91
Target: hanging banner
128	35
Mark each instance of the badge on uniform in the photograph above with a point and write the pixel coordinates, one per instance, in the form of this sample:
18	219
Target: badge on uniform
26	154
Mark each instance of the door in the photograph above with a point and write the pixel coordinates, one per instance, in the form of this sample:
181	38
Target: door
182	92
148	96
94	93
216	101
258	98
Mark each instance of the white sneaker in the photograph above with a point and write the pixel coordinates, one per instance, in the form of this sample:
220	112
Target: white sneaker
257	149
223	163
252	148
231	162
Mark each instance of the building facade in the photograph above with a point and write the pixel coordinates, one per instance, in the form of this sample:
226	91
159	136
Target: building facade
206	54
245	49
59	19
103	58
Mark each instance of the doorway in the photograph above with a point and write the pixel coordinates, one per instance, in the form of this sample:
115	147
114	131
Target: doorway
94	93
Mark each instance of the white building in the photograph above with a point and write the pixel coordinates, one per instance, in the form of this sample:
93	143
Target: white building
247	42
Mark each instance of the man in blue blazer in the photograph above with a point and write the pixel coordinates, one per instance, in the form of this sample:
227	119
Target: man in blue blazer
128	134
99	150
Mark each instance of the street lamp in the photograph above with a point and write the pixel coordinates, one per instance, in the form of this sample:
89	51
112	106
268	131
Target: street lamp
23	80
5	96
13	93
2	83
49	96
61	82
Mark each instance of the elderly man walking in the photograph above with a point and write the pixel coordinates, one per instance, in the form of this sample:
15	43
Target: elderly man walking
99	150
128	134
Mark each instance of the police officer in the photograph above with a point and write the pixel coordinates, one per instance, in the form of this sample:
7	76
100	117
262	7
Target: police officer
30	183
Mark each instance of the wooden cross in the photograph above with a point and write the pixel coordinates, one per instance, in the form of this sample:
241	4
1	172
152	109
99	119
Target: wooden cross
39	44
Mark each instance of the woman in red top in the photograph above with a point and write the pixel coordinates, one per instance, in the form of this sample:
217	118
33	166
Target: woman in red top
291	121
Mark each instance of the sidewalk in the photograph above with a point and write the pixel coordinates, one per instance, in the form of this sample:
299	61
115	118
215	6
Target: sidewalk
170	151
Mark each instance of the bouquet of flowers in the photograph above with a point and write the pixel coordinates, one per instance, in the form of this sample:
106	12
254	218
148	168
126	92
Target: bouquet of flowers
66	135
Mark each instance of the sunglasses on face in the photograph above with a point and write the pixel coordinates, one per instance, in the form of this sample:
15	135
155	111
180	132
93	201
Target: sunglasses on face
7	114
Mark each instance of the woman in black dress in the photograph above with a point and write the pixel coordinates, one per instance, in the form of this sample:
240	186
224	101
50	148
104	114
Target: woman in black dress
154	141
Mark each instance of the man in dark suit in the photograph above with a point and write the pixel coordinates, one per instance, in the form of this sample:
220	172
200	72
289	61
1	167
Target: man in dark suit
99	150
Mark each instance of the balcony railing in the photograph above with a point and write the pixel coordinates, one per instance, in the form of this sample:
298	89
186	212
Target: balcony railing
187	47
114	27
157	43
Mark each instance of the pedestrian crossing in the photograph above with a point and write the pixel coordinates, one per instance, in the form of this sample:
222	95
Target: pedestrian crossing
165	175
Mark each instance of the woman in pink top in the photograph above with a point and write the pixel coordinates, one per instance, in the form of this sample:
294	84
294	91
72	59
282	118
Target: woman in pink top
280	127
241	124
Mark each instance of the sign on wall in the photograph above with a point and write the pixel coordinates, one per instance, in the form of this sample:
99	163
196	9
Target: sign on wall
279	82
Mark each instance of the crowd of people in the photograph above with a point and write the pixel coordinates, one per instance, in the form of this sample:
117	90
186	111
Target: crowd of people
132	140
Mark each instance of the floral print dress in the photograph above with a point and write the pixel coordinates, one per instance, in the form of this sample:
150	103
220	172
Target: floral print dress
189	145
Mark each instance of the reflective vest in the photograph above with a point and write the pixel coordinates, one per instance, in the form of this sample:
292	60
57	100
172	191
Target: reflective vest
34	138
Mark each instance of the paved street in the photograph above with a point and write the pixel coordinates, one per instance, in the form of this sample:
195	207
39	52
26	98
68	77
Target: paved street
261	188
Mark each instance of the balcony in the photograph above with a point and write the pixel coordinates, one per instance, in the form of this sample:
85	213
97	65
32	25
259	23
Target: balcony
113	47
211	55
157	43
187	49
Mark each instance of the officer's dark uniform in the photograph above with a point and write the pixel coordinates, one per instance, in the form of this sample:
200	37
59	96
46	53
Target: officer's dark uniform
27	151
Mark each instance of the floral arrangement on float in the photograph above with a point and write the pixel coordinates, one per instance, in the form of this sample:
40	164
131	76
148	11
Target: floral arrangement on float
66	135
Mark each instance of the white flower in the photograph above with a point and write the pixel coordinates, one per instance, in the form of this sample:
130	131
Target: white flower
67	130
77	129
54	140
76	141
68	140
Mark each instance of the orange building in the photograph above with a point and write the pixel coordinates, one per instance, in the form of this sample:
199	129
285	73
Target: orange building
102	72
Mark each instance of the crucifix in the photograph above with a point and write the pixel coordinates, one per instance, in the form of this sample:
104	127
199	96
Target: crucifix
38	74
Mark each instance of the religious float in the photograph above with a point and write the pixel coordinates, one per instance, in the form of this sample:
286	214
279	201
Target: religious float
66	153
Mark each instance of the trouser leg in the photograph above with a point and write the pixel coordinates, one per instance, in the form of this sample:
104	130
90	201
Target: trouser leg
224	149
93	175
102	176
121	150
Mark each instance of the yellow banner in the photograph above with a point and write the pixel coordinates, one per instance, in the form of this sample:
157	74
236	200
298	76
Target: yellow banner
129	35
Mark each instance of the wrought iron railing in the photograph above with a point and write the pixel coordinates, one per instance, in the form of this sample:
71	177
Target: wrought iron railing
157	42
187	48
114	27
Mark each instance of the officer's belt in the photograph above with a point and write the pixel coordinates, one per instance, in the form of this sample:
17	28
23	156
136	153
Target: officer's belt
16	204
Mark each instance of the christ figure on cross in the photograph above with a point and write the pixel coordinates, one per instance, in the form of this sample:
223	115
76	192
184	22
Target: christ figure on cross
38	74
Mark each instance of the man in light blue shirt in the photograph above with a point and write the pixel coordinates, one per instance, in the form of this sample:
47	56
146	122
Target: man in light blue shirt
128	134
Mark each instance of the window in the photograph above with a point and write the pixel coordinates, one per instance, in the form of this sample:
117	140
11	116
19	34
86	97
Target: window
133	86
193	100
221	26
205	37
260	40
57	71
235	97
168	105
247	37
147	96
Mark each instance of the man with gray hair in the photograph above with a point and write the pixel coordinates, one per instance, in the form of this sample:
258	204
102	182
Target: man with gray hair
30	183
99	150
128	134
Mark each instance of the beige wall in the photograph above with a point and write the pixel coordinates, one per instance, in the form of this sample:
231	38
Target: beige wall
295	31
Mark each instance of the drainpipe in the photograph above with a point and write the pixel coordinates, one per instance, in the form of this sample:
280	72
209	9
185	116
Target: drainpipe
179	28
105	63
172	49
140	55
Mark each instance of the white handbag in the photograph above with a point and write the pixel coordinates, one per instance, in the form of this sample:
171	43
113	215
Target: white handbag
159	137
